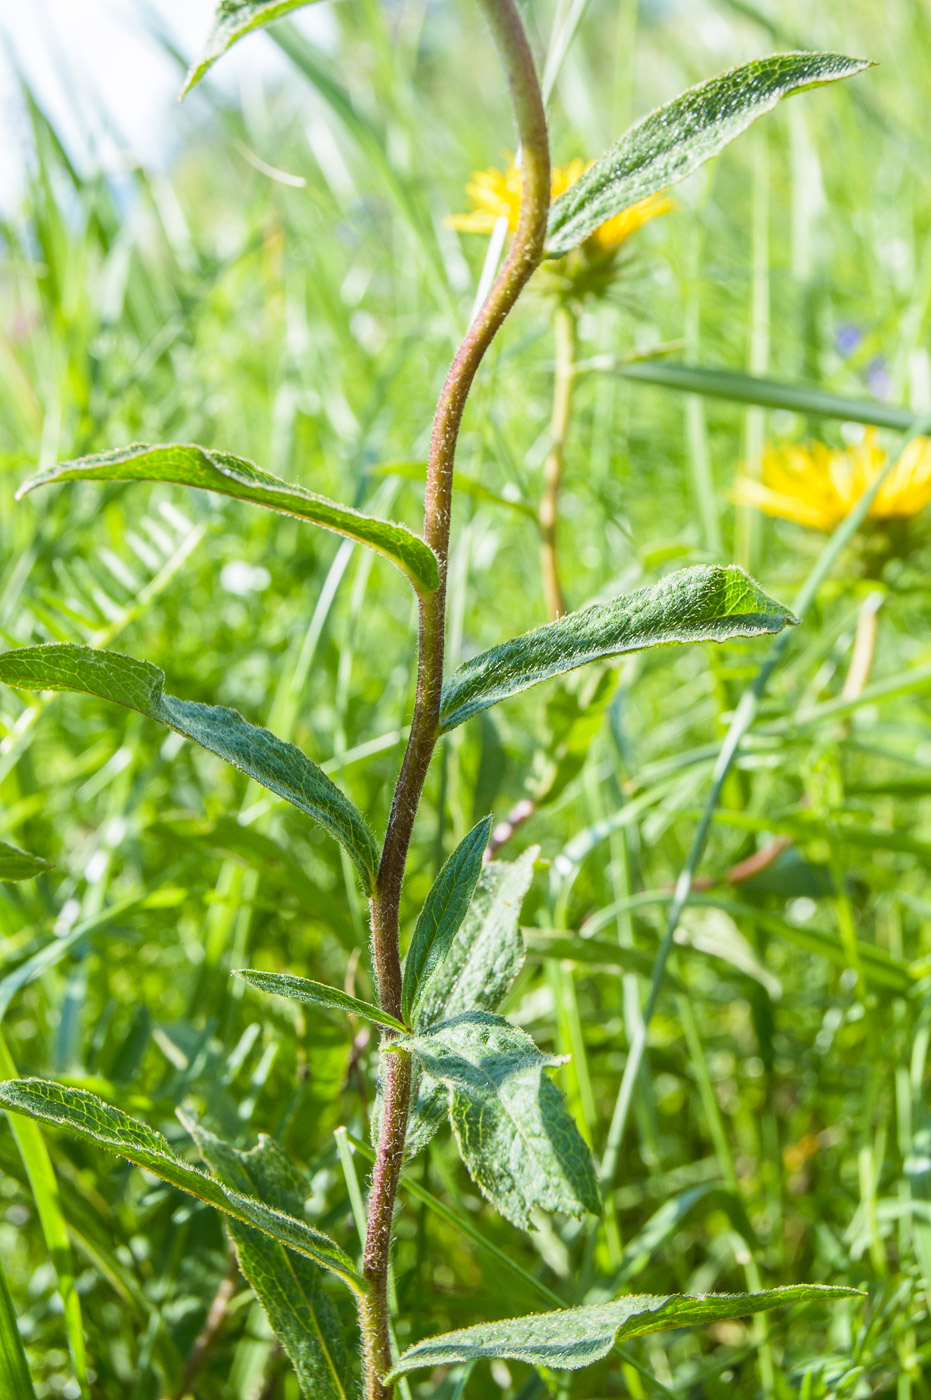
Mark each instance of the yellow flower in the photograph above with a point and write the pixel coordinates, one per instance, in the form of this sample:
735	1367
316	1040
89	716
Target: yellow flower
496	194
817	486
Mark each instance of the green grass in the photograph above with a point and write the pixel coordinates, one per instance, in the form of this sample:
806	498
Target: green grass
777	1131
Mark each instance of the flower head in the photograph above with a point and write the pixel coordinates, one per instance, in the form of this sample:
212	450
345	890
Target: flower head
817	486
496	194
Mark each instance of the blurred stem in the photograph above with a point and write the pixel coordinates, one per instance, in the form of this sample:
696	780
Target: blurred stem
565	332
208	1335
525	255
864	647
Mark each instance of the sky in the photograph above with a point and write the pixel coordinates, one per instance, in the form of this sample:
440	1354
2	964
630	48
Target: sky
101	75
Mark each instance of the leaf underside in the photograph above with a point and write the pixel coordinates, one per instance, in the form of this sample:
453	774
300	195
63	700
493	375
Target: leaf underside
186	464
279	766
92	1119
287	1285
577	1337
232	20
706	603
20	865
484	958
282	984
515	1134
442	914
673	141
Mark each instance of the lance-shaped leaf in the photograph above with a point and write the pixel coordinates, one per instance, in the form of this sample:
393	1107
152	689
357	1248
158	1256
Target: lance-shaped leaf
189	465
442	914
488	951
277	765
233	20
281	984
668	144
703	604
92	1119
483	960
577	1337
287	1286
20	865
515	1134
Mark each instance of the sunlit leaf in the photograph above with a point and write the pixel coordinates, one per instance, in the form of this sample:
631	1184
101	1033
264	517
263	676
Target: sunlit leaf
703	604
442	914
281	984
287	1286
484	958
90	1118
45	1192
233	20
577	1337
188	465
668	144
20	865
277	765
515	1134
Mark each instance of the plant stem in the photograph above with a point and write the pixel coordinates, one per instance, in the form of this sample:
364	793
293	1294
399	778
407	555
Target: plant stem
525	255
564	329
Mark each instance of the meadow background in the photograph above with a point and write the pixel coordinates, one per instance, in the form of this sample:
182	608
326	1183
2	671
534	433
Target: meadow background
286	288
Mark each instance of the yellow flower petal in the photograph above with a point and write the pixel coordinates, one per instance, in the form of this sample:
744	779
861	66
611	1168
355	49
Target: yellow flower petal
496	194
817	486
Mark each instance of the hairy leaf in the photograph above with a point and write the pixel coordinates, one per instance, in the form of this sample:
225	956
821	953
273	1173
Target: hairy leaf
442	914
89	1117
281	984
485	957
287	1286
277	765
487	952
514	1131
577	1337
189	465
668	144
20	865
702	604
233	20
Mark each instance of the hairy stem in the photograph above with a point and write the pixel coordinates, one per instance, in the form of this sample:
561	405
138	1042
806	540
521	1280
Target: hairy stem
564	328
525	255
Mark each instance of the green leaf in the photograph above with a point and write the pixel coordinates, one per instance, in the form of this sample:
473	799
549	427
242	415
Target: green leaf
737	387
91	1119
233	20
19	865
15	1379
280	984
277	765
442	914
44	1187
287	1286
577	1337
483	960
668	144
189	465
703	604
514	1131
487	952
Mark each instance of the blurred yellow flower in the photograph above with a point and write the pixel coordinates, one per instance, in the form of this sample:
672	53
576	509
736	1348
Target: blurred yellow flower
496	194
817	486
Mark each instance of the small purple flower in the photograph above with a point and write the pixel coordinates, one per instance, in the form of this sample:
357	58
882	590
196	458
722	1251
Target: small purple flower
878	377
847	338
